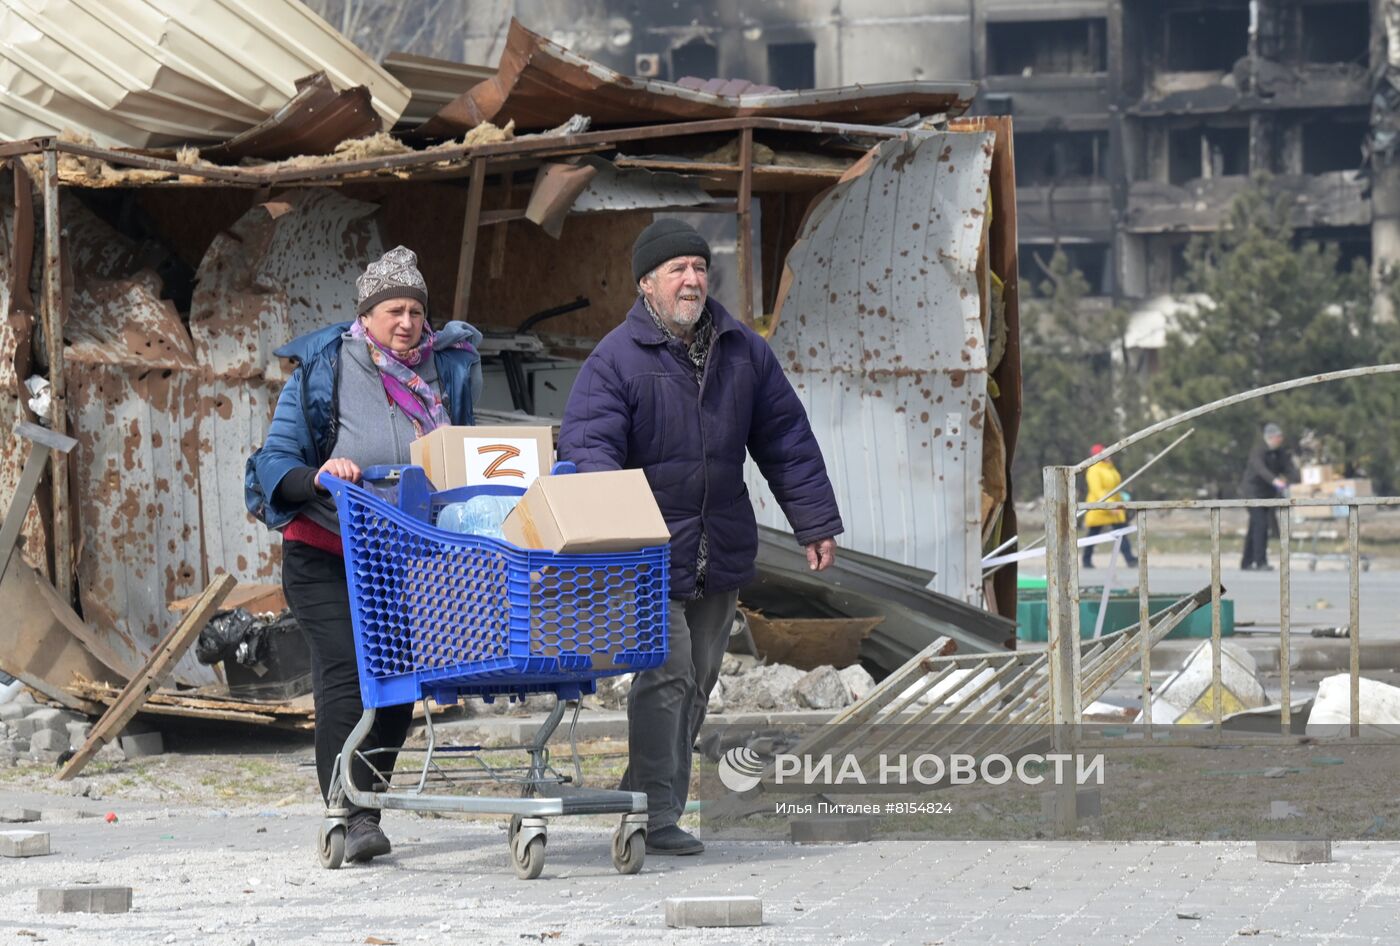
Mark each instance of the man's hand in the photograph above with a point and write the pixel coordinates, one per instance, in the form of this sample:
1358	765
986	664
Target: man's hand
821	554
338	467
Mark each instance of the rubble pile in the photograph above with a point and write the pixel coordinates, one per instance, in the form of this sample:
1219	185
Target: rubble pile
747	684
32	731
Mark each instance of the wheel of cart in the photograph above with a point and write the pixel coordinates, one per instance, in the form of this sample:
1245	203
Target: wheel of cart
440	616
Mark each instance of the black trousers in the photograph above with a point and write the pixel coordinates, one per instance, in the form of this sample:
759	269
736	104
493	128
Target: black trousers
314	582
1256	538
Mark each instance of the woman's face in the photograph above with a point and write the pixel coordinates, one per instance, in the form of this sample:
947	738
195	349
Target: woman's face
397	324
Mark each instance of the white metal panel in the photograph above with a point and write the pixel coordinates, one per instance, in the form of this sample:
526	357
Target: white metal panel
142	73
283	269
880	333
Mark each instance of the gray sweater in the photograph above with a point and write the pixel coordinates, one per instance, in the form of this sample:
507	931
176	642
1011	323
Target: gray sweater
372	430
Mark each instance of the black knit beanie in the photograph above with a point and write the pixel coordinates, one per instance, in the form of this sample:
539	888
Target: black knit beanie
666	239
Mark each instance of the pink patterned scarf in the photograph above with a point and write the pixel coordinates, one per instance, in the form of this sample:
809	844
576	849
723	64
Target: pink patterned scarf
404	386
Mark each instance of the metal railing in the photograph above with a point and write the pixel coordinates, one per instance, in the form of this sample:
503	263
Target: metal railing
1064	599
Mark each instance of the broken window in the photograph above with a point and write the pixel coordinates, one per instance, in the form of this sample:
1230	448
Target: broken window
1353	244
1090	259
1335	32
1068	157
792	65
1042	47
1332	145
1208	40
697	59
1207	152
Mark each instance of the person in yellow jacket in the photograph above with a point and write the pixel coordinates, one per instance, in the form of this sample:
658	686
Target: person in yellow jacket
1103	479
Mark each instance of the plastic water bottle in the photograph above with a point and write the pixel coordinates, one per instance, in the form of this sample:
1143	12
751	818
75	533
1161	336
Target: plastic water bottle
480	515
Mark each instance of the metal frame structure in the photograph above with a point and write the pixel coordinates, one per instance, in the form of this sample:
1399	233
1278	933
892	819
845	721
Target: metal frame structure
1061	512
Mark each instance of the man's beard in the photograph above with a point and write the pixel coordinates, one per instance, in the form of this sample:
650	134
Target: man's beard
685	313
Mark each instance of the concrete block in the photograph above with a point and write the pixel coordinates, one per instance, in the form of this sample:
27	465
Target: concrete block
23	728
23	843
11	711
835	829
84	899
24	698
50	717
18	815
141	744
1088	803
714	911
48	740
1298	851
78	733
1281	810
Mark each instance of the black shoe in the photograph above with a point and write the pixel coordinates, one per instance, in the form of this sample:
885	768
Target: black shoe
673	840
364	839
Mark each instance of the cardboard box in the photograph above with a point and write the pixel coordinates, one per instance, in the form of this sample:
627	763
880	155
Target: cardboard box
588	512
476	456
1314	474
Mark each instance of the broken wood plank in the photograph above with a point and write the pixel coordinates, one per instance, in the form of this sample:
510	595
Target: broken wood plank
253	598
152	675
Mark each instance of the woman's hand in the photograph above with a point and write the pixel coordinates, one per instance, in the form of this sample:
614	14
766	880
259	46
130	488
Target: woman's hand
338	467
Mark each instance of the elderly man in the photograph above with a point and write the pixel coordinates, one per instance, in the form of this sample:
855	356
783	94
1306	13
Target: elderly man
680	390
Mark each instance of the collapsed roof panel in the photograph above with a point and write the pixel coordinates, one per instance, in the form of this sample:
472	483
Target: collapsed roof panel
540	84
147	73
432	83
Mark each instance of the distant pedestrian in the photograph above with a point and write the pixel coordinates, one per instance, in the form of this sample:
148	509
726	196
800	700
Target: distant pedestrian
1266	476
1103	479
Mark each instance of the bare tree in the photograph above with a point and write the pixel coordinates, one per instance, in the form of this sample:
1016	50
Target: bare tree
380	27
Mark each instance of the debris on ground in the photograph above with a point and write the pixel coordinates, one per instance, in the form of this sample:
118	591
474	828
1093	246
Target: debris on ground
1331	712
1188	696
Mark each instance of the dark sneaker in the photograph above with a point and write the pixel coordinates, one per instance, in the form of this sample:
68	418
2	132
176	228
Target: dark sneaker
673	840
364	839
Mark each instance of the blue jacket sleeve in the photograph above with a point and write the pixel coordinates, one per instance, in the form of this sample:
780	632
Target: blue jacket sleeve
597	420
288	447
786	451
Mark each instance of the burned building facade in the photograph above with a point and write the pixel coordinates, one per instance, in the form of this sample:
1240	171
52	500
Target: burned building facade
1136	120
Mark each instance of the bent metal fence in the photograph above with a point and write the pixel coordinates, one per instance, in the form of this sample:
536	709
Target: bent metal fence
1064	651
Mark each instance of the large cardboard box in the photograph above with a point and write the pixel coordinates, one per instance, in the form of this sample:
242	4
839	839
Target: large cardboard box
588	512
477	456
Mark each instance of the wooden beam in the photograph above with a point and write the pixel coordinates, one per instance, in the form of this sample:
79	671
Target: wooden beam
152	675
745	240
471	223
58	404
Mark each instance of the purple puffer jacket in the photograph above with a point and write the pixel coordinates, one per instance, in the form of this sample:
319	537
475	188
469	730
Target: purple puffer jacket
636	405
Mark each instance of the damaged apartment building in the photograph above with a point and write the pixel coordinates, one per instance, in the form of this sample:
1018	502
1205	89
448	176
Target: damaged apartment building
1136	121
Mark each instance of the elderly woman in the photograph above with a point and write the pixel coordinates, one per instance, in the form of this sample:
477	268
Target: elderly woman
362	391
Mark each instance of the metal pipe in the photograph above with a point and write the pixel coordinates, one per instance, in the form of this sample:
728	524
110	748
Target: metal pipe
1215	702
1285	621
1231	401
1143	609
1284	503
1354	563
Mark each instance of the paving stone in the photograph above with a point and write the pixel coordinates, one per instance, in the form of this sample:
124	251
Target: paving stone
84	899
834	829
136	745
1300	851
714	911
11	711
24	843
50	717
78	732
1088	803
23	728
18	815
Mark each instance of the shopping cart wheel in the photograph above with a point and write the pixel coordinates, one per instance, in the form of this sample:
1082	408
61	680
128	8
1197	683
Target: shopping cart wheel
629	855
528	858
331	845
513	830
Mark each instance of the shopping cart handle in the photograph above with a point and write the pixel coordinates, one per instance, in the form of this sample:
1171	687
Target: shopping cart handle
563	466
383	472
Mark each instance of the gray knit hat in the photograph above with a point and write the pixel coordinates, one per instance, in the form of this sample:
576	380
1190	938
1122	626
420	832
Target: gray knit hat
394	275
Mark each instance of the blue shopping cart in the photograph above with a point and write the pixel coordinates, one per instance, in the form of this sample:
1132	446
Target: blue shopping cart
441	615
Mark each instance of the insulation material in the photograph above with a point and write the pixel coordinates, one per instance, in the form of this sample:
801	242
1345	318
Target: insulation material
284	269
145	73
880	331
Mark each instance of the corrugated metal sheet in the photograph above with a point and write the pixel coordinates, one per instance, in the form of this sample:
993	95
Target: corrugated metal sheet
880	332
143	73
432	83
316	120
131	379
540	84
285	268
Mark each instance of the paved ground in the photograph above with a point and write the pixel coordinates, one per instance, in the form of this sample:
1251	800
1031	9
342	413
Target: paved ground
245	876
